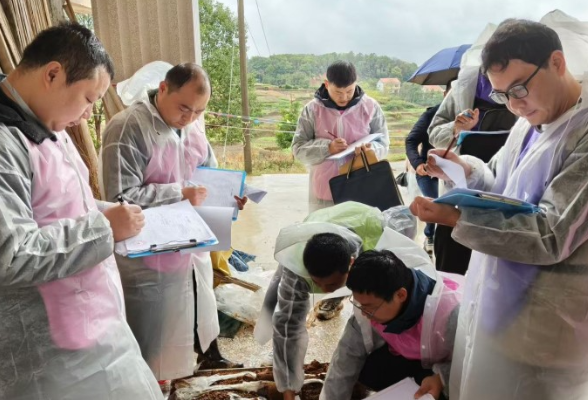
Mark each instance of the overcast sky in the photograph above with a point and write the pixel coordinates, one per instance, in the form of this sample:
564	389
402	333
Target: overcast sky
412	30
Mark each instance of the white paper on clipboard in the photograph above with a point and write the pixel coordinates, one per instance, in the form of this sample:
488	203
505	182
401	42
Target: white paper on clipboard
220	221
351	148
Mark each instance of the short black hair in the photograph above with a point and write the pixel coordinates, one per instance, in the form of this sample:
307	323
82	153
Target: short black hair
519	39
341	74
183	73
381	273
326	254
72	45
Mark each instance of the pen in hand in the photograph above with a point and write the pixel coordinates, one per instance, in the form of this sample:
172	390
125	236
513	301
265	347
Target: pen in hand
120	200
449	147
331	134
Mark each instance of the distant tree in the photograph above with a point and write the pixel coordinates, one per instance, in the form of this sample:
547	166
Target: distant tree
282	69
287	126
86	20
219	37
414	93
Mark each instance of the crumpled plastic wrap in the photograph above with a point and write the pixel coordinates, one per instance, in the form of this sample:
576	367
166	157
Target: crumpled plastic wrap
240	303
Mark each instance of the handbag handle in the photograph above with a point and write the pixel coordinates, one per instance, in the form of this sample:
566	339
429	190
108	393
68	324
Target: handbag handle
363	159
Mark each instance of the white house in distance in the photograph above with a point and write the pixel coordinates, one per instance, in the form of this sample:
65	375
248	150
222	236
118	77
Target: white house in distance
390	85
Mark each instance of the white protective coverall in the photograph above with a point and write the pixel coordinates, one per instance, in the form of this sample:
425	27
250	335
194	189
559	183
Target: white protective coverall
523	324
311	141
63	333
148	163
438	327
292	288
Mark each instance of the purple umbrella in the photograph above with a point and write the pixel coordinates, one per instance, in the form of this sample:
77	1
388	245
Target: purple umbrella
441	68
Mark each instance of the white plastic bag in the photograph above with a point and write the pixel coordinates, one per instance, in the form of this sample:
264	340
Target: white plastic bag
401	220
243	304
572	32
145	79
574	39
208	326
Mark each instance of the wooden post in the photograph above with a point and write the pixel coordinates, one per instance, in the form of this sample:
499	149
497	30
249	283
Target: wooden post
82	139
244	95
56	11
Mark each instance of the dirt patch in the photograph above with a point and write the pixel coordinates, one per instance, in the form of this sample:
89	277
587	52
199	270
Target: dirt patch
316	368
225	396
310	391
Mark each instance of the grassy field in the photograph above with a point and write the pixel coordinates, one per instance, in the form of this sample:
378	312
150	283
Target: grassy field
269	158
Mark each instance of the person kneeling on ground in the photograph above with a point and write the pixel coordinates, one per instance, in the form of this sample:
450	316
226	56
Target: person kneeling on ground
314	258
404	325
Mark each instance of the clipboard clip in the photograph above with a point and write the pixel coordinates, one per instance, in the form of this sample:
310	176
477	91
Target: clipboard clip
154	248
513	202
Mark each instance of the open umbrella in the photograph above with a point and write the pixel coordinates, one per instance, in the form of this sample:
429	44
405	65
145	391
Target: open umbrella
441	68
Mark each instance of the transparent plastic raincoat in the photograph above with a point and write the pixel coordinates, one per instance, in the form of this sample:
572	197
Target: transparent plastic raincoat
523	324
291	286
147	162
311	140
63	333
431	340
460	98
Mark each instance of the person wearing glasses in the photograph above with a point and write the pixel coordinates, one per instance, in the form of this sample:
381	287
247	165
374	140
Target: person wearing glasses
314	257
404	326
467	107
149	152
524	334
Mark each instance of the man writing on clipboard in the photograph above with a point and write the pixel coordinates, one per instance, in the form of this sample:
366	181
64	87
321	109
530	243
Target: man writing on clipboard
149	152
467	107
339	115
522	327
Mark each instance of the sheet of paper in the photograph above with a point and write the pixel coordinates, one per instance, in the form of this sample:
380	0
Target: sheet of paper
254	194
170	224
220	221
453	170
352	146
403	390
221	186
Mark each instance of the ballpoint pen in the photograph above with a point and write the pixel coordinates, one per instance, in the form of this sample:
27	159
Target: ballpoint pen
467	114
332	134
450	146
120	200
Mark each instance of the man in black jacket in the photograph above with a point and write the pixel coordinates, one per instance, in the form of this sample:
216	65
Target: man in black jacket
429	186
419	136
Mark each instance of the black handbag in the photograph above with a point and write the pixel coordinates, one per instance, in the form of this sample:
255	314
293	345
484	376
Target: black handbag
372	184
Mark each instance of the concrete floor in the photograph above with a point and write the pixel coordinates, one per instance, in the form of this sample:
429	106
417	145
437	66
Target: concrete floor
255	232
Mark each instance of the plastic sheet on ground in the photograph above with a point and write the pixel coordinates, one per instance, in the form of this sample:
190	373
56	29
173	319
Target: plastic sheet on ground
240	303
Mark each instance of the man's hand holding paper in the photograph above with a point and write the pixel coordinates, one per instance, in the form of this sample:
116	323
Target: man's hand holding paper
447	168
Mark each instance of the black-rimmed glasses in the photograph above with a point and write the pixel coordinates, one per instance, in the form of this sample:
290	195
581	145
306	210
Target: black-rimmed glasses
518	91
369	314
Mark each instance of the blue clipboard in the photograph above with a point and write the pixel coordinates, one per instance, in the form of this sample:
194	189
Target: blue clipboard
464	134
156	250
487	201
241	188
